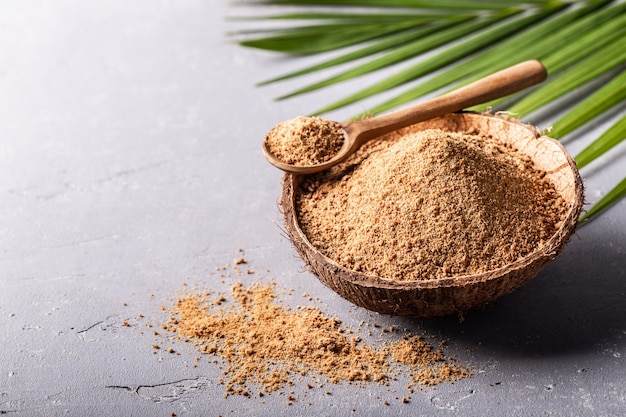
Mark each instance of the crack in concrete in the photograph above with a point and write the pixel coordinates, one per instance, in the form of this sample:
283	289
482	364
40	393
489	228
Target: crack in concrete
450	401
166	391
107	328
90	327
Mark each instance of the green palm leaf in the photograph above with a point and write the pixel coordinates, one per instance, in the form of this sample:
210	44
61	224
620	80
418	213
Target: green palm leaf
452	54
556	50
401	53
605	202
442	4
398	40
358	17
581	43
611	94
324	38
612	137
543	38
588	69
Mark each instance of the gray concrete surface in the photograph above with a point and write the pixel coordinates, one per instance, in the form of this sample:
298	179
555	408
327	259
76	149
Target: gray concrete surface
130	163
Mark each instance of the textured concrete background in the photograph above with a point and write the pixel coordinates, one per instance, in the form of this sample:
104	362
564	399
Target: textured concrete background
130	163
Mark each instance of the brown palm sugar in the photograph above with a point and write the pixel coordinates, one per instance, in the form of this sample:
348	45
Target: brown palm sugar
430	205
305	141
265	346
420	356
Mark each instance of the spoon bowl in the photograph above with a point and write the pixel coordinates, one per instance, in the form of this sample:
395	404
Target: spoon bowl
356	133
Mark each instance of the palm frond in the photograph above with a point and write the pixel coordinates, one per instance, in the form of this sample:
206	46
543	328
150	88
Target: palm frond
581	43
509	21
360	17
430	40
611	94
542	38
556	49
612	137
440	4
610	198
590	68
324	38
398	40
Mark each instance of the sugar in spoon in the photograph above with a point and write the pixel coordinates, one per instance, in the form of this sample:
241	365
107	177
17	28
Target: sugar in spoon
356	133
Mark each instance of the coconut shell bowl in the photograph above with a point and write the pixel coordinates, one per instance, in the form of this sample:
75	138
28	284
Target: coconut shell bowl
451	294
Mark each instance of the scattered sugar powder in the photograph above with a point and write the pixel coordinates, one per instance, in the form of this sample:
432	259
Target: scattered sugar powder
305	141
429	205
265	345
420	356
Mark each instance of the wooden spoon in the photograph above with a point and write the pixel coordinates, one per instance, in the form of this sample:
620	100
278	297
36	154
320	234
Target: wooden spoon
356	133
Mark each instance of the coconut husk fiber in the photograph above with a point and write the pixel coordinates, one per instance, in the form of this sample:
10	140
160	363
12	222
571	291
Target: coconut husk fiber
454	294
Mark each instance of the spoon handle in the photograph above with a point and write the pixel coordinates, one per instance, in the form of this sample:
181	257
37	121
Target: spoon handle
496	85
